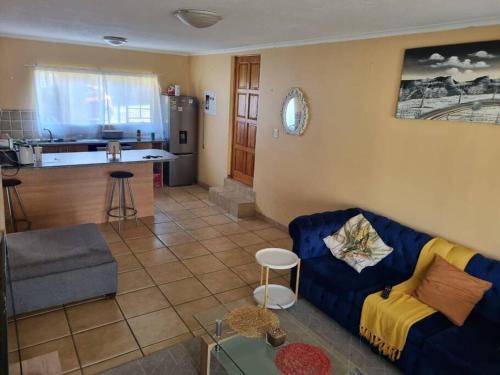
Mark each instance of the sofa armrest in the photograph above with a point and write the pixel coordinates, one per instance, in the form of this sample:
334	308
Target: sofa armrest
307	232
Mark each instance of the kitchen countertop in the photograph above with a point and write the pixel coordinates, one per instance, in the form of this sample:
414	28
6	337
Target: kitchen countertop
94	141
79	159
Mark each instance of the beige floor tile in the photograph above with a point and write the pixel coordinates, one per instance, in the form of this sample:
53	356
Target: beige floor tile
105	227
251	272
207	211
219	244
164	228
155	257
231	228
111	236
203	197
170	206
182	214
76	372
189	250
104	343
254	224
144	244
183	291
192	223
284	243
217	219
221	281
177	238
119	248
111	363
127	224
135	232
127	262
245	239
234	257
187	310
194	204
42	328
195	189
270	234
94	314
11	337
185	197
147	350
64	347
252	249
234	294
142	302
134	280
157	218
204	264
157	326
168	272
204	233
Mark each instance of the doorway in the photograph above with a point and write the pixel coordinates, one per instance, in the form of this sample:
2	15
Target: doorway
246	105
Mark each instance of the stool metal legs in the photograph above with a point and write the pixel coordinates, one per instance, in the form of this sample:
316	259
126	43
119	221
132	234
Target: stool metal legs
10	205
122	211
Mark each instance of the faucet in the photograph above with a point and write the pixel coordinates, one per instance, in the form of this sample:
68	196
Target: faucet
50	134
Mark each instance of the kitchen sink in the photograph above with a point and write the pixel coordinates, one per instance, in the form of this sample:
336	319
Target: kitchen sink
62	140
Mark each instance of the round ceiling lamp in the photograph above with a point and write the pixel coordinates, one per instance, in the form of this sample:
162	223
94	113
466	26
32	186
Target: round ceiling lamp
114	40
197	18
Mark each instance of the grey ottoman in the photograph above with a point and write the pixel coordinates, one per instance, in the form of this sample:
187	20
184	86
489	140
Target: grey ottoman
51	267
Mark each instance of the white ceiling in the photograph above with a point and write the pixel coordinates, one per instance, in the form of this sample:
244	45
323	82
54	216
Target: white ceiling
150	25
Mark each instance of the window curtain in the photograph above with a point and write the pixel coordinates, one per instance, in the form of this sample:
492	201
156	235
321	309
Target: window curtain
80	103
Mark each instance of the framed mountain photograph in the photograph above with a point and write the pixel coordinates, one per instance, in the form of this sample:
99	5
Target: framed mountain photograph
456	82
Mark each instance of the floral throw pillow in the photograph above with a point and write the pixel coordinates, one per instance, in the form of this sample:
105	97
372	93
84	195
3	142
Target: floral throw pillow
357	244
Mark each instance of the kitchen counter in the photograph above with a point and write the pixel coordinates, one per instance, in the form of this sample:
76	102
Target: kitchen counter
75	187
73	159
94	141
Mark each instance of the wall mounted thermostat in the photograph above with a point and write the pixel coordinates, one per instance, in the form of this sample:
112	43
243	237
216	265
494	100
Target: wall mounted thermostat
210	102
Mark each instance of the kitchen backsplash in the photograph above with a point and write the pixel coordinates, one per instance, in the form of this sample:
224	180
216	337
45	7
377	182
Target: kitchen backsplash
17	123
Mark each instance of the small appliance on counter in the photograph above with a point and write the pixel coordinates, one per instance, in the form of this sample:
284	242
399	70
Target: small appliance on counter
24	154
112	134
114	148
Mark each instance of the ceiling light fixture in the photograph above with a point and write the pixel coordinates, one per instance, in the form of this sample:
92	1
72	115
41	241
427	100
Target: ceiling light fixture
114	40
197	18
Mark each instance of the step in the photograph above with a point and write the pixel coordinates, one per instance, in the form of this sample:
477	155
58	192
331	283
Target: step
238	201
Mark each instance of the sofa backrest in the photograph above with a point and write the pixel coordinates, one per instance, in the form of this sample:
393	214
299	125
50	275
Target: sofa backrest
308	232
487	269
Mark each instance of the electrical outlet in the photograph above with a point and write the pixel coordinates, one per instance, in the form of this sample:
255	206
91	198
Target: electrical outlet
276	133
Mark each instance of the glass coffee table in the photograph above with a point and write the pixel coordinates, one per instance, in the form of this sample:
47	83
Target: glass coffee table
237	355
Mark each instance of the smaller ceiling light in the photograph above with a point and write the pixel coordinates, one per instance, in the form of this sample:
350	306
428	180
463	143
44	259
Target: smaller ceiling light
115	40
197	18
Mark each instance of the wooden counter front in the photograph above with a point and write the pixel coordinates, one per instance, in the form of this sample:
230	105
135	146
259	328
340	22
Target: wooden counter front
55	197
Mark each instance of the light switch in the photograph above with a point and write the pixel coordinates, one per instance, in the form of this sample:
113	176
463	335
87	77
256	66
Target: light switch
276	133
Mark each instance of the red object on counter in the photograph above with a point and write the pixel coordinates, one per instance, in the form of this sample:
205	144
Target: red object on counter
157	180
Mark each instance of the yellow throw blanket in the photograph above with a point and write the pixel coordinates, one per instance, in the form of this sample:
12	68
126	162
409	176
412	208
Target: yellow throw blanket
385	323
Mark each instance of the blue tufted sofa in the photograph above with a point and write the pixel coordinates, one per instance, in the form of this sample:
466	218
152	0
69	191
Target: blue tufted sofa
434	345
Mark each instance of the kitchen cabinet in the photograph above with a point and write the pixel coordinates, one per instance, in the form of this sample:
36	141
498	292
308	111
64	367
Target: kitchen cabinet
64	148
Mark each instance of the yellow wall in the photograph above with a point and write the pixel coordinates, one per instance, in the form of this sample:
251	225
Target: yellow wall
16	79
439	177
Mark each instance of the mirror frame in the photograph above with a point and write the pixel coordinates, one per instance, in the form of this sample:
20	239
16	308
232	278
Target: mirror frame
295	93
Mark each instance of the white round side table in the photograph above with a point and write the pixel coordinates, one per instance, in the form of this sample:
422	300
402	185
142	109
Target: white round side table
275	296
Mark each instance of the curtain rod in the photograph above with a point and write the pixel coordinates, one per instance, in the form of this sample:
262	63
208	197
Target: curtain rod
78	68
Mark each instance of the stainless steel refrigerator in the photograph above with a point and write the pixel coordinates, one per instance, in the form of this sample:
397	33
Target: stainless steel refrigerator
180	119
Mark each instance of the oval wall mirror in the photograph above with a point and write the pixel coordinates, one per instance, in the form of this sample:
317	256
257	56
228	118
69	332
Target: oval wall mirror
294	112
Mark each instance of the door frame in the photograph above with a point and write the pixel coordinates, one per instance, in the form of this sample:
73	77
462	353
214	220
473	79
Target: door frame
232	119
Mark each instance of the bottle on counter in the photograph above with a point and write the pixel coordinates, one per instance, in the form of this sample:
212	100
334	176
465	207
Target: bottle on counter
152	136
138	134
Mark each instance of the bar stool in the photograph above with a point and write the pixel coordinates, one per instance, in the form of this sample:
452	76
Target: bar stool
10	185
122	211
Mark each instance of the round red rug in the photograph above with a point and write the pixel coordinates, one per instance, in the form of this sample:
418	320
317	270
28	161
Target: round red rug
302	359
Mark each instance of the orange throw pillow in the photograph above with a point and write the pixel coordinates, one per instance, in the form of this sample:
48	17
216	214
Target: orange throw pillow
450	290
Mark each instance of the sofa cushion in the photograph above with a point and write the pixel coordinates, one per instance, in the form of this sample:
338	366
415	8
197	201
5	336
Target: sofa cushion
42	252
345	282
473	348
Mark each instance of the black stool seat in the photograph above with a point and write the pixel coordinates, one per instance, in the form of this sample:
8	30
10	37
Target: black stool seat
11	182
121	174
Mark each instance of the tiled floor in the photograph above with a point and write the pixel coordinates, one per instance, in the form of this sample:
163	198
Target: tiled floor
190	256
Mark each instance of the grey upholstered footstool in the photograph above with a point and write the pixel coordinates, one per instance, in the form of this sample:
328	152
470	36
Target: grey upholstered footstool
51	267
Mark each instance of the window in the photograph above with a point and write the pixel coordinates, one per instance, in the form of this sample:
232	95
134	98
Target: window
79	103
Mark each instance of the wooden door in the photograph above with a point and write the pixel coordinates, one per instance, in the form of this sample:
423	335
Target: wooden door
246	106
